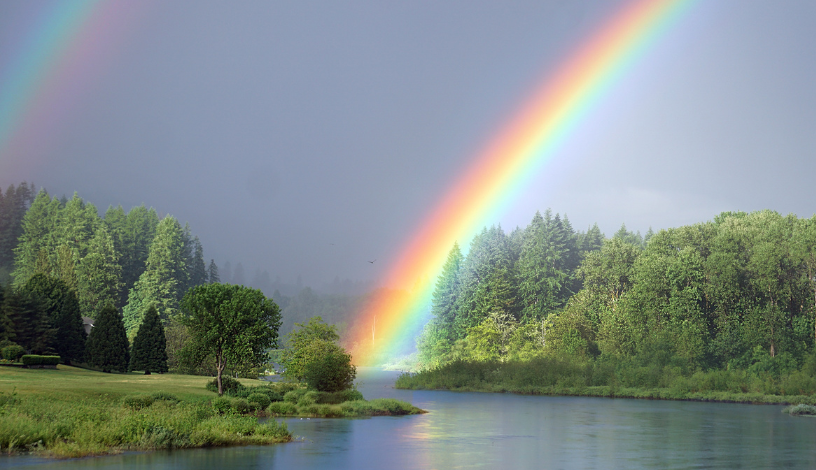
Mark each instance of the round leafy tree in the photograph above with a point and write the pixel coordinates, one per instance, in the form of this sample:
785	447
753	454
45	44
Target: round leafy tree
234	325
107	346
150	346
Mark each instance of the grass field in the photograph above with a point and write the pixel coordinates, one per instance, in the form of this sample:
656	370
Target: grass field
72	382
72	412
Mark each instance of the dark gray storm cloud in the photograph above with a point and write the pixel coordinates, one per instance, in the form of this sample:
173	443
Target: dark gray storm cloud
309	137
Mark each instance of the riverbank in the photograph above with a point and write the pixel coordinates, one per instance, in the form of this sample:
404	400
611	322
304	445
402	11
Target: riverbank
73	412
548	376
294	400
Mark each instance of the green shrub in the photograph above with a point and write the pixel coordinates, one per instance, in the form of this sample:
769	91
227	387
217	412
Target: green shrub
341	396
311	397
281	408
294	395
164	396
330	372
34	360
222	405
229	385
261	399
799	410
137	402
240	406
12	352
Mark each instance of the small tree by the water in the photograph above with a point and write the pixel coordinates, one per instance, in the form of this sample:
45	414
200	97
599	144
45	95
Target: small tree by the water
313	356
150	345
233	325
107	346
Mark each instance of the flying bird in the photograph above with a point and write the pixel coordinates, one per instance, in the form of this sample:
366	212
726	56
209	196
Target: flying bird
372	262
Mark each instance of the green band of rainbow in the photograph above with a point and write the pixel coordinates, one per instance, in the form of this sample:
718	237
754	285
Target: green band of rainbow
391	319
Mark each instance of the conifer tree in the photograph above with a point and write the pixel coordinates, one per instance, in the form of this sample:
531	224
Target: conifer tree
115	221
159	283
447	288
6	327
487	281
61	307
150	345
76	226
99	273
32	328
65	267
107	346
13	206
37	235
198	270
139	232
437	337
212	273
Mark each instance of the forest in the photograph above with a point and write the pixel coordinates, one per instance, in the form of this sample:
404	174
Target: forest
62	250
737	293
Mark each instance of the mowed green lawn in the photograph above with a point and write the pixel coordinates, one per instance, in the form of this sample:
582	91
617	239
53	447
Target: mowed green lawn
72	383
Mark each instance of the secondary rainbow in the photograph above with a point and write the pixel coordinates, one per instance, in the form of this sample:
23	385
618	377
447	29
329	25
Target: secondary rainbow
61	54
504	169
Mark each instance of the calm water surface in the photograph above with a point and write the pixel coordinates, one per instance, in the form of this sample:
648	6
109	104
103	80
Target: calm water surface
502	431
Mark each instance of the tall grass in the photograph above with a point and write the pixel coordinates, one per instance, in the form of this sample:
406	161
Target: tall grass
616	377
112	413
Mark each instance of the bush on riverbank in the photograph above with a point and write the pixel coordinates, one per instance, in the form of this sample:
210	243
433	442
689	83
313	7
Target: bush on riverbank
295	400
613	377
800	410
348	409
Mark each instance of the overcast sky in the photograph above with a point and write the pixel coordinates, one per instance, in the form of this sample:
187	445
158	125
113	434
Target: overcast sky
306	138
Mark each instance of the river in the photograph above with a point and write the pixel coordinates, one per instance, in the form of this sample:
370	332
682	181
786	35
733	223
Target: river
503	431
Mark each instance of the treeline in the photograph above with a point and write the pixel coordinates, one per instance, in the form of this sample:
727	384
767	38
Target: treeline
62	261
734	293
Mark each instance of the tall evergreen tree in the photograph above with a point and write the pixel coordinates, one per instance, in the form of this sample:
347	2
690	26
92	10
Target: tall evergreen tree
61	307
150	345
6	327
487	281
160	282
32	328
198	271
115	221
99	273
107	346
184	277
13	206
212	273
139	232
76	226
37	236
437	338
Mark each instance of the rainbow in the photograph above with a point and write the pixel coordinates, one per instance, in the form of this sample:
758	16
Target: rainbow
63	51
391	319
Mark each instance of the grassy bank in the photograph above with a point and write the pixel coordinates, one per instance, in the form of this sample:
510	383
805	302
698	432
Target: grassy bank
74	412
294	400
553	376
